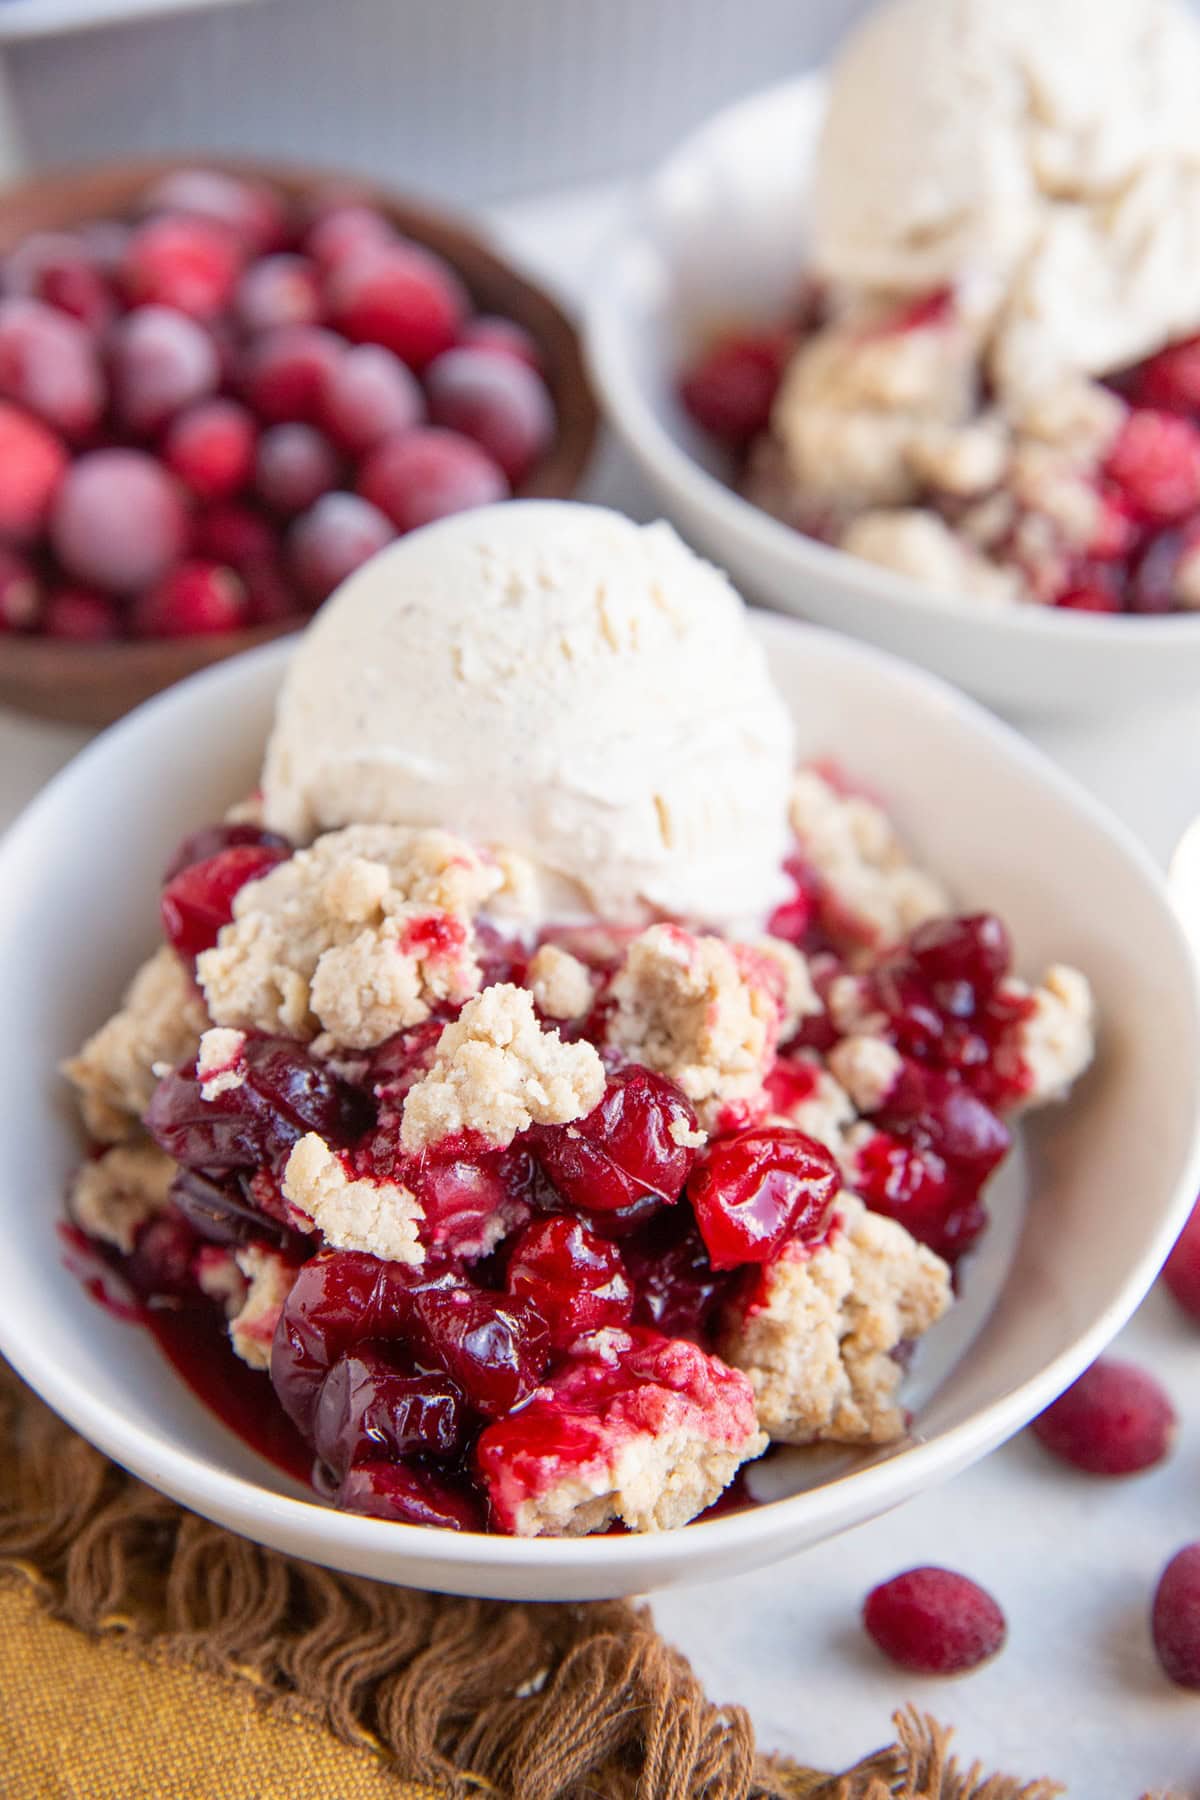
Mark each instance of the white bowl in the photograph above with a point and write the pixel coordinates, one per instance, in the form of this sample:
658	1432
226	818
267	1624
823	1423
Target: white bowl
1109	1178
718	234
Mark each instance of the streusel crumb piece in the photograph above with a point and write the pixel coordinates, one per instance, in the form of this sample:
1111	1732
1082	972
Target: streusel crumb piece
352	1212
112	1197
158	1026
561	985
873	885
1058	1040
868	1068
268	1276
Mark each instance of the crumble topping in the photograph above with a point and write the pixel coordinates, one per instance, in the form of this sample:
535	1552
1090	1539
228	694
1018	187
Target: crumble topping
268	1276
797	997
692	1009
219	1065
352	1212
496	1072
918	543
561	985
356	937
868	1068
825	1111
218	1276
817	1341
112	1197
1058	1040
871	878
158	1026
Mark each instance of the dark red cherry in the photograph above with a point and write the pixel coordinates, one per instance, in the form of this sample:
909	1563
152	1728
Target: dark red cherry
758	1191
627	1147
676	1289
975	950
210	840
410	1495
222	1210
199	900
374	1406
576	1280
161	1262
495	1349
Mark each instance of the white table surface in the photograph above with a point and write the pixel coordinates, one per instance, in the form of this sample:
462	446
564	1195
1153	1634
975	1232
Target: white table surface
1076	1693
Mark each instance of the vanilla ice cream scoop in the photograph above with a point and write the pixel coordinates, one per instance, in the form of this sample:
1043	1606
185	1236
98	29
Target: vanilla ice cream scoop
557	680
1043	153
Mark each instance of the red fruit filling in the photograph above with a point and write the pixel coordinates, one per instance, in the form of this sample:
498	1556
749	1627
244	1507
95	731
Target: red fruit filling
934	1621
634	1147
199	900
576	1280
759	1190
1115	1420
730	389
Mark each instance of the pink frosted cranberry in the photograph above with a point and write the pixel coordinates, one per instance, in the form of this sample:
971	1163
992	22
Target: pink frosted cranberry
934	1621
32	465
369	396
1181	1272
427	474
278	290
497	401
161	362
211	448
82	616
503	337
58	268
199	899
1175	1618
1155	460
293	467
249	209
758	1191
48	363
286	372
20	598
345	231
576	1280
185	262
194	599
401	296
373	1406
117	522
633	1144
236	535
730	389
333	539
1115	1420
272	598
410	1495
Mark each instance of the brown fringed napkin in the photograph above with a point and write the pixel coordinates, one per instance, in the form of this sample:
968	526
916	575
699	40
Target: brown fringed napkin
146	1653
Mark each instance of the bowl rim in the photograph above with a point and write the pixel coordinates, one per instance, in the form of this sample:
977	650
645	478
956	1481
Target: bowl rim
609	326
326	1533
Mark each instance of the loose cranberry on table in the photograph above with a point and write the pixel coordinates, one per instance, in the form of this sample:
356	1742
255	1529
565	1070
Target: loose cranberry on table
1175	1618
1181	1272
934	1621
1115	1420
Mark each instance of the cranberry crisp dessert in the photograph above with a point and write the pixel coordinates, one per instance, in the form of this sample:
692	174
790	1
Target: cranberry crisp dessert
992	385
533	1218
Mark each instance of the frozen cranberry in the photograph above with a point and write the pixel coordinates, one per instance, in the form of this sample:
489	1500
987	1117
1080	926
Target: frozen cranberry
730	390
496	1349
369	396
211	448
20	597
161	1263
32	464
105	241
345	231
188	263
411	1496
934	1621
497	401
235	535
279	290
251	210
210	840
425	475
117	522
286	1093
271	596
758	1191
1182	1269
373	1407
294	466
1171	379
336	537
1092	597
161	362
676	1289
286	372
59	269
1156	461
635	1143
575	1279
503	337
1115	1420
199	900
48	363
196	599
81	616
1175	1618
401	296
1154	587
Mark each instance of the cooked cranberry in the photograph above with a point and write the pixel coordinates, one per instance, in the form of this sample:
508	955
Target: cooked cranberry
465	1186
1170	379
199	900
286	1093
222	1209
934	1621
921	314
976	950
401	296
911	1183
1115	1420
575	1279
189	264
411	1496
210	840
1182	1269
676	1289
117	522
48	364
499	402
32	465
1090	597
790	1081
427	474
403	1059
793	920
730	390
1175	1618
759	1191
929	1108
1114	537
496	1349
374	1406
633	1144
161	1262
1156	461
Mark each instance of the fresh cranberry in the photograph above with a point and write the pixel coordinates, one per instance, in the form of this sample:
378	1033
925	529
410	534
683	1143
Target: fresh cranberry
225	1209
278	290
199	900
373	1406
161	362
272	596
1170	380
1156	461
59	270
369	396
575	1279
251	210
401	296
730	390
189	264
32	465
295	465
162	1257
117	522
286	372
410	1496
1154	587
934	1621
81	616
427	474
497	401
344	231
676	1289
286	1093
211	448
20	596
758	1191
633	1144
195	599
504	337
1115	1420
332	539
1182	1269
200	845
48	364
496	1349
1175	1618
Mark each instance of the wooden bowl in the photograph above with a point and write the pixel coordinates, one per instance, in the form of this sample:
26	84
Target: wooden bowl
93	684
